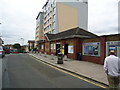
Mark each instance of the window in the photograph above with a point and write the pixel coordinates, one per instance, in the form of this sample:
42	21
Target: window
54	9
41	46
113	45
53	31
45	18
50	19
54	2
45	29
48	15
53	24
45	12
91	49
53	46
50	25
50	12
54	16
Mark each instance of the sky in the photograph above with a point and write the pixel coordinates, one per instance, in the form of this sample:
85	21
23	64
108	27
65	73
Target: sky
18	18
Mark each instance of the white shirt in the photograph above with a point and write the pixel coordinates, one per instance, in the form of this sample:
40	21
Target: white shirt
112	65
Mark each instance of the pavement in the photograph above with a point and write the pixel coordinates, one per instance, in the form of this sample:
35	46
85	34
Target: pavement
0	73
88	70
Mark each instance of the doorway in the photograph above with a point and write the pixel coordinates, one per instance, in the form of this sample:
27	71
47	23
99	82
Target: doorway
66	49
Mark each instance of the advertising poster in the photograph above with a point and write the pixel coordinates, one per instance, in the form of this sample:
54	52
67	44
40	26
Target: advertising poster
92	49
70	49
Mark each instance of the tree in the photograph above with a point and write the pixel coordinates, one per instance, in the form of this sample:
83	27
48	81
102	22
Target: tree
17	46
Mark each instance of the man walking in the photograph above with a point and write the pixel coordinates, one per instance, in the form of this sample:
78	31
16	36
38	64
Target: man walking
112	69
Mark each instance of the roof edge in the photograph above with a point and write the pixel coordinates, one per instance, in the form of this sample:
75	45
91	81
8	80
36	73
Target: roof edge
38	15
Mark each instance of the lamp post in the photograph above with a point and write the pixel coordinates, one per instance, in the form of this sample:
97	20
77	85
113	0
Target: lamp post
23	41
1	41
0	35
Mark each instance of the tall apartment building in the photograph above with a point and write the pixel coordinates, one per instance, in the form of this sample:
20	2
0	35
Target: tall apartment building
61	15
39	28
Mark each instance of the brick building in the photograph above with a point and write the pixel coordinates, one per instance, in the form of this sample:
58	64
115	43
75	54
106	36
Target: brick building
92	47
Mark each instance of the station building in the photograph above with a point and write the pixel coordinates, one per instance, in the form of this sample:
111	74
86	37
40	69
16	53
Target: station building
92	47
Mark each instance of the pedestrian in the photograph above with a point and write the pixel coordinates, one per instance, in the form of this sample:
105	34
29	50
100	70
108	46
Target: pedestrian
112	69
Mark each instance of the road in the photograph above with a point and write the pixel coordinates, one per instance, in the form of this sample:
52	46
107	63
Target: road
23	71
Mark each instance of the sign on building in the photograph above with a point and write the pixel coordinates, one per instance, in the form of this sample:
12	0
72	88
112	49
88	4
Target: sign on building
113	45
70	49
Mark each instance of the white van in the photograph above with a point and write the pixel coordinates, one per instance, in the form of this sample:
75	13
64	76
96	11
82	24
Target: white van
2	52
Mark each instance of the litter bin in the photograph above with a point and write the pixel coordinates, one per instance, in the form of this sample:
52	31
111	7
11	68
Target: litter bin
79	56
60	58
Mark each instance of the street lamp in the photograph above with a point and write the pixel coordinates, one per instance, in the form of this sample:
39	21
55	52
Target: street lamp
0	33
1	41
23	40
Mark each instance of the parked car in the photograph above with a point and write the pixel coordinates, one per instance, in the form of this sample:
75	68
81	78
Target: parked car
7	50
11	50
2	52
15	51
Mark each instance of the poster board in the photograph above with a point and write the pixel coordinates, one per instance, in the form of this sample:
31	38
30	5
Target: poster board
91	49
70	49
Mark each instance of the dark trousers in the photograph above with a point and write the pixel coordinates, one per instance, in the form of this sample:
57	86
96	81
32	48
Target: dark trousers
114	82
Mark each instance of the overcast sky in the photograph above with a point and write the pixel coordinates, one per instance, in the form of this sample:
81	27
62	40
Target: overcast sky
18	18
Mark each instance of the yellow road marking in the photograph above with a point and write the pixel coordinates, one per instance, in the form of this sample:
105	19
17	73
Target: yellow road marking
70	73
